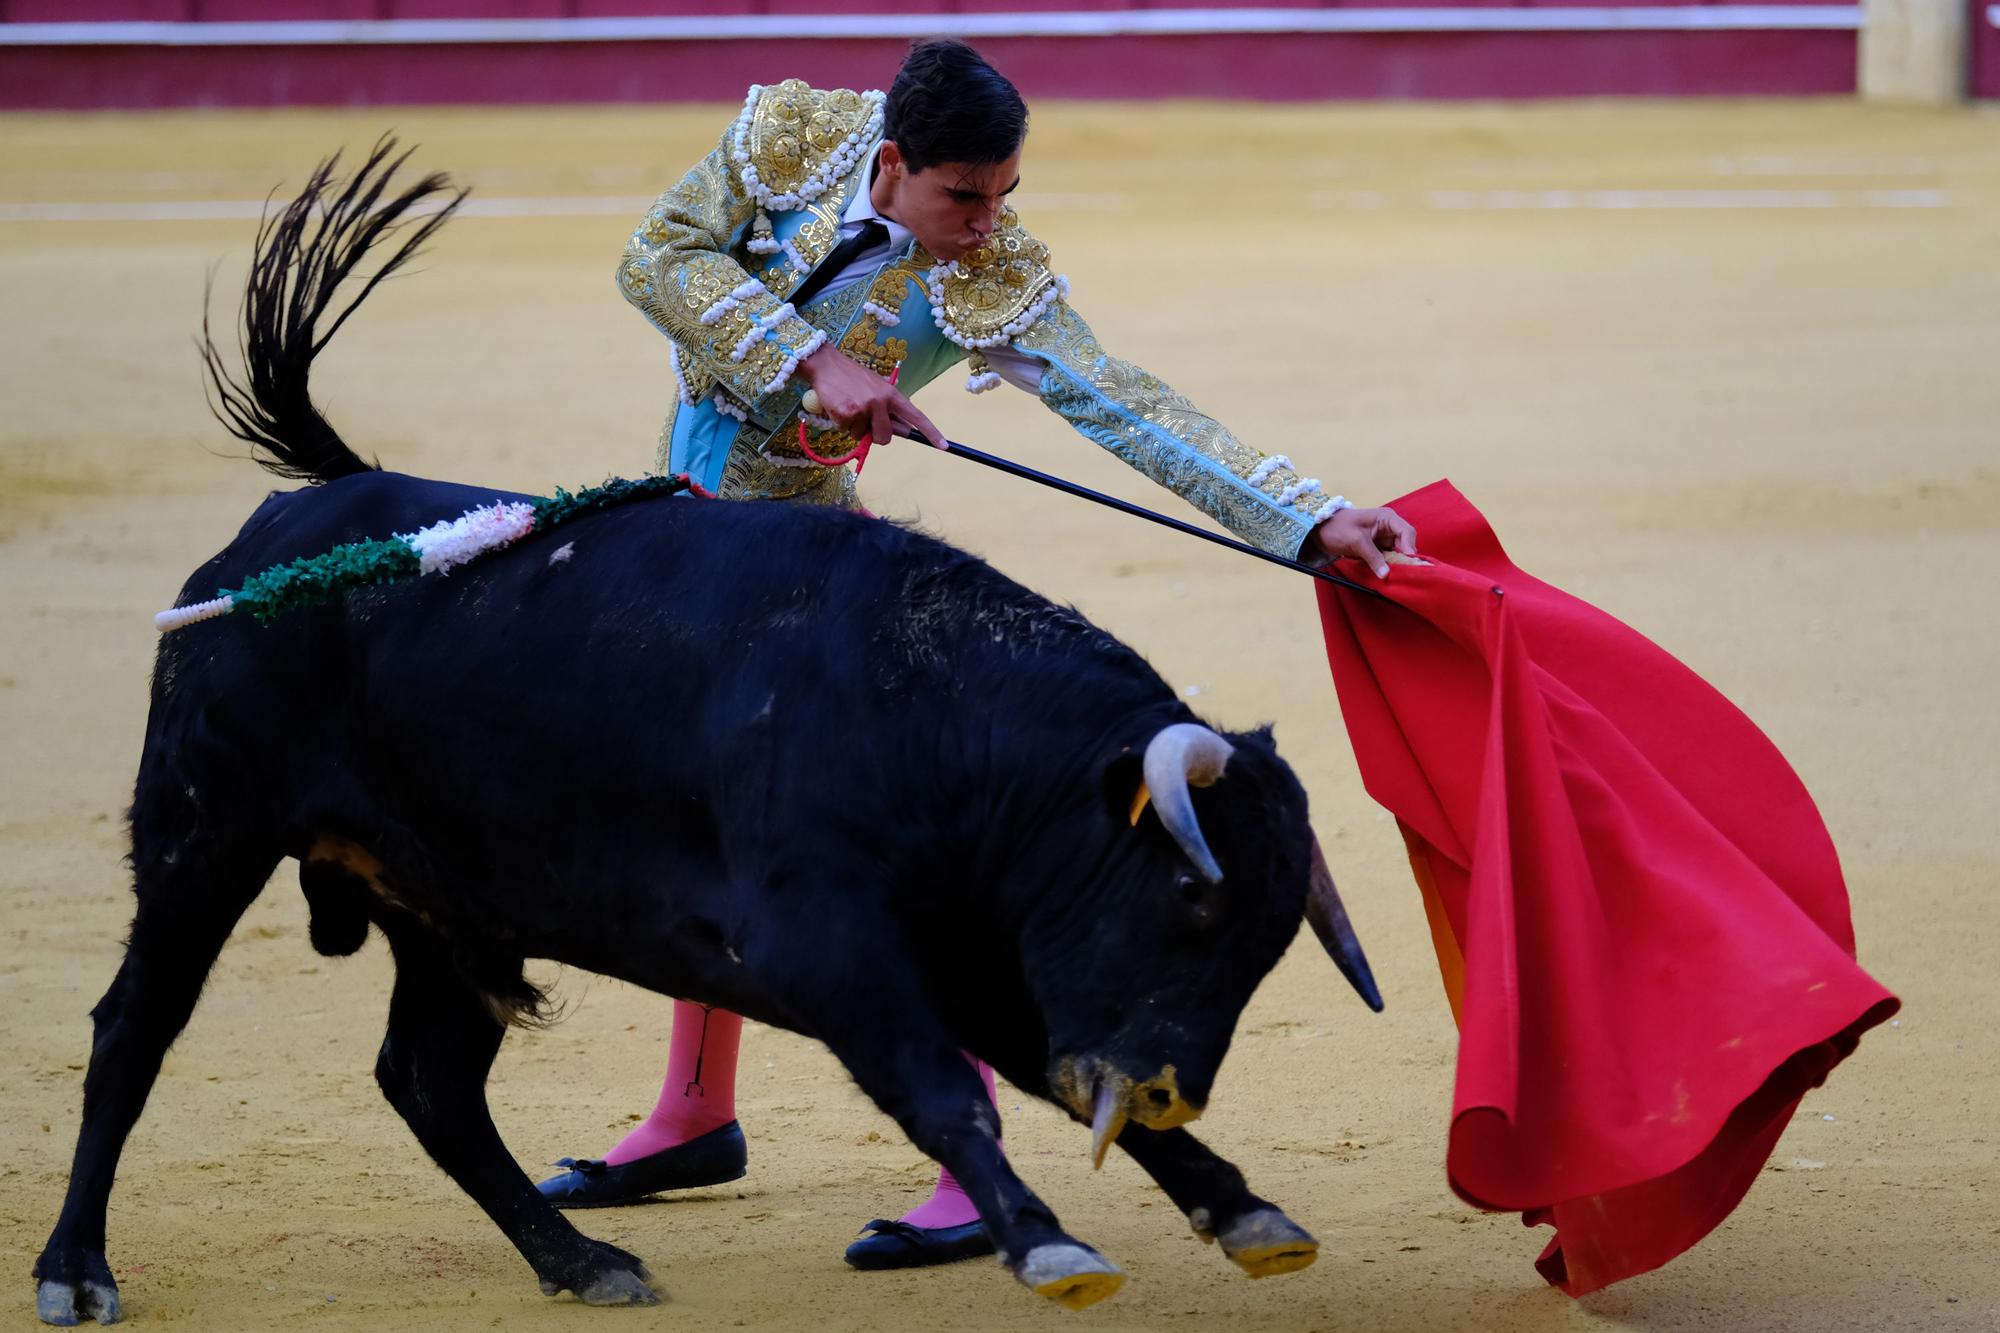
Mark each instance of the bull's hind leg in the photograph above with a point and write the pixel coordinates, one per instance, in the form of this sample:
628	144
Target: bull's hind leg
440	1045
1255	1234
191	889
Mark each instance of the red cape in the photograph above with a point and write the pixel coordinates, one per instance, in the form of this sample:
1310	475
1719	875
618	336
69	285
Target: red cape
1638	912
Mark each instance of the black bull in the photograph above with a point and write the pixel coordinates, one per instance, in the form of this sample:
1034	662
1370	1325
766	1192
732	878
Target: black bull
810	766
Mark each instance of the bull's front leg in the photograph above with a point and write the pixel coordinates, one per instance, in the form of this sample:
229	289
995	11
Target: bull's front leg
1253	1232
922	1080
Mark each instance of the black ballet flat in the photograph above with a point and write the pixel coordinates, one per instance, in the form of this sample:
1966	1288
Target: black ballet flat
716	1158
900	1245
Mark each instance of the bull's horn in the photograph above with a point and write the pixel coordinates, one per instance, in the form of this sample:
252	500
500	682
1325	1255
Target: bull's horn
1183	755
1329	921
1108	1118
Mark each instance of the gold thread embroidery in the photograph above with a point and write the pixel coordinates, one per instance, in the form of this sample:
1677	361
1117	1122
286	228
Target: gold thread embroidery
795	128
995	284
1173	442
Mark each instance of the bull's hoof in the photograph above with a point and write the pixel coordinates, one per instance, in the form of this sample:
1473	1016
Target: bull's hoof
73	1289
619	1287
1266	1243
61	1304
1071	1275
616	1278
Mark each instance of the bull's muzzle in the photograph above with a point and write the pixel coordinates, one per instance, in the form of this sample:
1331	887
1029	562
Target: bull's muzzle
1109	1097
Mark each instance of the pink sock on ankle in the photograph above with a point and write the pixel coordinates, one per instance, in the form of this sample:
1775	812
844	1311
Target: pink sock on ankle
948	1206
700	1092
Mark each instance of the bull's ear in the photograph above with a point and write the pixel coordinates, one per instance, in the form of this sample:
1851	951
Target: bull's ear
1123	783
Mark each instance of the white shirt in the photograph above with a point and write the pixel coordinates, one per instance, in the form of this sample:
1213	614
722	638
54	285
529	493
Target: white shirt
1017	368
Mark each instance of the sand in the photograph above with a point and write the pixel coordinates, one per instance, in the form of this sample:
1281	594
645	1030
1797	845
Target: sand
1725	370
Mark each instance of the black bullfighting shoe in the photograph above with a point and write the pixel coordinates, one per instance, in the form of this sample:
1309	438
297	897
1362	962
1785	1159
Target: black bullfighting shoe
900	1245
716	1158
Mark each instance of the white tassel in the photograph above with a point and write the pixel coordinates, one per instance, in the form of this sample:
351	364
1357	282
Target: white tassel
784	375
181	616
750	340
445	545
1303	486
745	291
980	383
1331	507
760	328
1262	472
729	409
884	316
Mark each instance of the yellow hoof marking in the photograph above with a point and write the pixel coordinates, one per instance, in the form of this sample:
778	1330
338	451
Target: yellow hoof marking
1082	1289
1271	1260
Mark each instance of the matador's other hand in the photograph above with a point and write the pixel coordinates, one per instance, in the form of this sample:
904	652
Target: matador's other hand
863	402
1365	534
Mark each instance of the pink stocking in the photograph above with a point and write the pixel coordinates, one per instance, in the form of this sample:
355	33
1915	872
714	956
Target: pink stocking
948	1206
700	1091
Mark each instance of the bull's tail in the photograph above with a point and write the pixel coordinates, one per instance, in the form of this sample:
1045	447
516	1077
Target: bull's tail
304	253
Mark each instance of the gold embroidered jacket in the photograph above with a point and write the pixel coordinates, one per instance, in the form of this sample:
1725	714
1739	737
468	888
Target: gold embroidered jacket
713	260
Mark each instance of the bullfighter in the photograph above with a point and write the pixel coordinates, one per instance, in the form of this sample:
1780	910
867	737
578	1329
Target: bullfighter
837	251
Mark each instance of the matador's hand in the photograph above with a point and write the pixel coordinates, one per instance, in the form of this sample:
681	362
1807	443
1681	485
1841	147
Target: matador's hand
863	402
1365	534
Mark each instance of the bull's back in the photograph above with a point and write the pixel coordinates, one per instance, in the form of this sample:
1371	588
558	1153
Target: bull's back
309	521
556	724
622	643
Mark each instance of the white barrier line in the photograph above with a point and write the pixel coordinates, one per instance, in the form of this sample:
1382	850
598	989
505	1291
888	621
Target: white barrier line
231	210
1778	165
524	206
190	210
1443	201
1619	200
494	177
1042	23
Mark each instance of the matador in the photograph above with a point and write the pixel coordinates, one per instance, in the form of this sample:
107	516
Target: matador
837	251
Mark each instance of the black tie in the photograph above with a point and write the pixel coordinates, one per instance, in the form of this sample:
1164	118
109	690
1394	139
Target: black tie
872	233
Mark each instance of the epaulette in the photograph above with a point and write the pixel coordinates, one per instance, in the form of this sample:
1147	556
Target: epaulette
993	294
793	142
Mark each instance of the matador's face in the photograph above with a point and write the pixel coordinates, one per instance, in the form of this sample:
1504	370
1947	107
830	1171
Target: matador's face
950	207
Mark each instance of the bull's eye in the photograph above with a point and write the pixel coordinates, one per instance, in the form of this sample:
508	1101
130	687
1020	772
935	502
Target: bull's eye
1197	898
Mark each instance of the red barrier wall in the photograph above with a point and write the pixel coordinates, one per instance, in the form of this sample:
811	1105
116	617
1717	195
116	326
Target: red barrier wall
1985	52
1290	66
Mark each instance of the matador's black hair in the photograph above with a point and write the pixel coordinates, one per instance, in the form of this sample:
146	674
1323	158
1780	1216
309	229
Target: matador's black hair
948	105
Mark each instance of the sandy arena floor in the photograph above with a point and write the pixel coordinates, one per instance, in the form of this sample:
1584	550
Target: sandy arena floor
1725	370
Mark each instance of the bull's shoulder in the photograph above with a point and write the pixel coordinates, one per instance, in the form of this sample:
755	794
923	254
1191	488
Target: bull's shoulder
995	293
794	142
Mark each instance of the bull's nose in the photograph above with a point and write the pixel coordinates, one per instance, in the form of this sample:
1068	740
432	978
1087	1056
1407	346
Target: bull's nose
1157	1103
